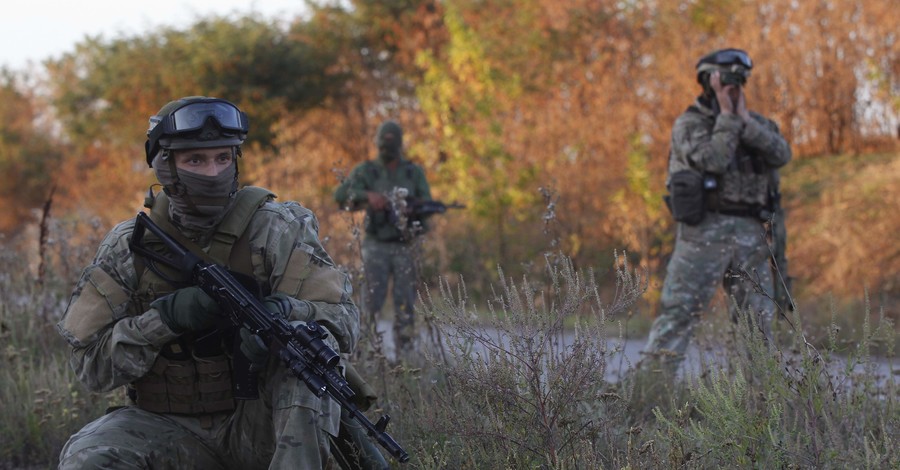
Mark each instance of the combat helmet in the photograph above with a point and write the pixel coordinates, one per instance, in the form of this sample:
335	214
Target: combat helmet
733	64
195	122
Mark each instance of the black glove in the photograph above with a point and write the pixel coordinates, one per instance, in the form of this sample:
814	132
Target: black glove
279	304
188	309
254	349
252	346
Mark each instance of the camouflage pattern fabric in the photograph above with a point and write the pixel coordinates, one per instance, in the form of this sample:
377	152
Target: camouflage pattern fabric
708	142
385	253
353	449
114	343
706	253
383	261
245	439
374	176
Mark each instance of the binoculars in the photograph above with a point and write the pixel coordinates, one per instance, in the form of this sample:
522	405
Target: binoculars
733	78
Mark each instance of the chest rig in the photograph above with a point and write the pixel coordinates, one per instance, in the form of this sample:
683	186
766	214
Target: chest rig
746	188
193	373
379	223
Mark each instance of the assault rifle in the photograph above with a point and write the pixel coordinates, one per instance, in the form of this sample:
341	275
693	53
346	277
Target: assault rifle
420	208
778	244
300	348
408	214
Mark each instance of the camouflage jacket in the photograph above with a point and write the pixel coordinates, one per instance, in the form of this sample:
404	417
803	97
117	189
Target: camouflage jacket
115	341
372	175
741	156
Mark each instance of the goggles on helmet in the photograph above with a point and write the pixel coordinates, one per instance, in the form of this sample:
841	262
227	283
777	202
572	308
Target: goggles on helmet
193	115
727	57
190	118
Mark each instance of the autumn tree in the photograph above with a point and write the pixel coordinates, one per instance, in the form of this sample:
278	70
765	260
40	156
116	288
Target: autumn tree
104	92
29	154
509	106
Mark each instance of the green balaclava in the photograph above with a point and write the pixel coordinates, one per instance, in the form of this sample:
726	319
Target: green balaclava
389	140
197	203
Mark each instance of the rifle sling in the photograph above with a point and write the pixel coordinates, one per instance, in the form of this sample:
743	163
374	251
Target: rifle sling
224	248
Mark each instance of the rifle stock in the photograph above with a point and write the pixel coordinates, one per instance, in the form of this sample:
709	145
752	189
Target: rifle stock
301	349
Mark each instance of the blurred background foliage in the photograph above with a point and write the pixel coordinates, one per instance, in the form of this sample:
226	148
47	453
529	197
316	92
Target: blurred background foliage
549	119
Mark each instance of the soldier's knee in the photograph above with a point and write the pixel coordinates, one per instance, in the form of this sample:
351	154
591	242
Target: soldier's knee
101	457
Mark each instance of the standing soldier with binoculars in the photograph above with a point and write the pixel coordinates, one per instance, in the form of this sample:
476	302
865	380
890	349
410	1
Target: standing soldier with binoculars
723	184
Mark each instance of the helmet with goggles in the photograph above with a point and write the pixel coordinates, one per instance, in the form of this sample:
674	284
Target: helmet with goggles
734	65
195	122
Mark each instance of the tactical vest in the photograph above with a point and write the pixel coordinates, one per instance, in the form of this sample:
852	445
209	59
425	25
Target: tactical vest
378	223
746	188
193	373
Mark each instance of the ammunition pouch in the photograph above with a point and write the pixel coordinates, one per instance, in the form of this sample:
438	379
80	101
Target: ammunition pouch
744	189
687	198
185	380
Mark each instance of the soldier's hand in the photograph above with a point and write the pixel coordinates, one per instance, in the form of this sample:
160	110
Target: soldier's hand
254	349
723	93
742	106
279	304
188	309
377	200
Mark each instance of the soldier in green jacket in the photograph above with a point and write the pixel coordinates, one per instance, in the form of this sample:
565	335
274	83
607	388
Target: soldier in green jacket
382	187
143	327
723	184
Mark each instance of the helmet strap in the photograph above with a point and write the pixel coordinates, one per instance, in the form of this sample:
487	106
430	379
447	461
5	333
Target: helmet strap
150	199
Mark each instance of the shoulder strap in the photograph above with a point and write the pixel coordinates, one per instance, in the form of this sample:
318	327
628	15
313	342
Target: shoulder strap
159	214
248	200
224	247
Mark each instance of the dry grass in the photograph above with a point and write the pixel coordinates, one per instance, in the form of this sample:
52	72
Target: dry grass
524	390
526	400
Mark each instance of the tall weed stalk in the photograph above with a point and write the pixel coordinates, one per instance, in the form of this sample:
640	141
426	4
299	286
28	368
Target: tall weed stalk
43	403
515	387
764	407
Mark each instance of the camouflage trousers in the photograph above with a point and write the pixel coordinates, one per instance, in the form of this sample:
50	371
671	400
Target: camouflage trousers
287	427
397	261
715	251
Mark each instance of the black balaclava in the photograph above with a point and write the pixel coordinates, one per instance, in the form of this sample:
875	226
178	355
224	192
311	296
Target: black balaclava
389	140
